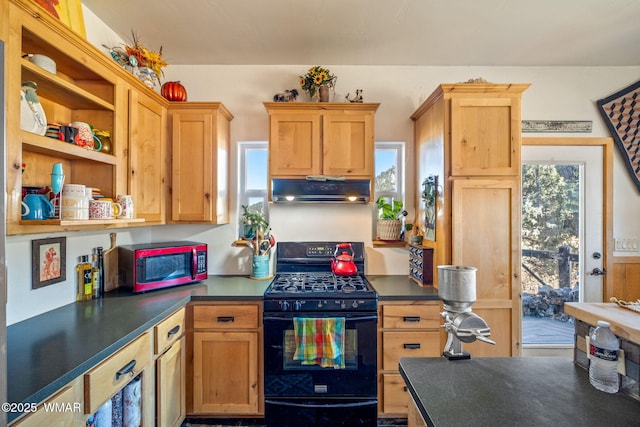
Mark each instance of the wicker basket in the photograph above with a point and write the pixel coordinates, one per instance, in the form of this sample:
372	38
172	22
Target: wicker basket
389	229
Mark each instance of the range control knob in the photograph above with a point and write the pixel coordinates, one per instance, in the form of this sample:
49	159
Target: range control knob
354	304
284	305
297	306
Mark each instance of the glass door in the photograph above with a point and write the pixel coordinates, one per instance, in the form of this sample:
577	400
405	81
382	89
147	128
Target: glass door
562	238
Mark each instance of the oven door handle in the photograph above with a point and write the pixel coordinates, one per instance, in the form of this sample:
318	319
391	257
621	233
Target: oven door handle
349	318
331	405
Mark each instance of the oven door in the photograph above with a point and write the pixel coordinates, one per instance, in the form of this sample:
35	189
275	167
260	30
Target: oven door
286	377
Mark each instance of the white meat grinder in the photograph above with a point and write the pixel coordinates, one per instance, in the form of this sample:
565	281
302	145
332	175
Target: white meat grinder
457	290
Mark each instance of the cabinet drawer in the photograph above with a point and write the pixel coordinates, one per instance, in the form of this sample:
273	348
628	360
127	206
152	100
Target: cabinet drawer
411	316
65	398
395	396
225	317
168	331
408	344
107	378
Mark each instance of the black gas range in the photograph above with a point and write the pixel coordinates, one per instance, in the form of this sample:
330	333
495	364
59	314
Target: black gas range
305	282
306	290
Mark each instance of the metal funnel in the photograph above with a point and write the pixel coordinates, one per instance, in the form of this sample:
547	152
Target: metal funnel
457	287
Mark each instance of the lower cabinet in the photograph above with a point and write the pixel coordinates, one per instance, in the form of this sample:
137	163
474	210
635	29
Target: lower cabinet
62	409
170	370
226	363
406	329
414	418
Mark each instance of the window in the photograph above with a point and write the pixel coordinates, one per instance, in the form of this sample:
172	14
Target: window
252	188
389	173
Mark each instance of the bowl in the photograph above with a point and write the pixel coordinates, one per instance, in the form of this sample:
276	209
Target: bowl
43	62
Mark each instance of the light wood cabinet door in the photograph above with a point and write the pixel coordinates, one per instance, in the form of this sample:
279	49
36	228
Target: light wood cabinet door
333	139
171	386
347	143
489	240
225	373
64	409
147	156
294	144
200	135
485	136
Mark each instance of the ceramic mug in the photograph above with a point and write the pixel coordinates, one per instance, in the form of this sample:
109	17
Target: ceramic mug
85	134
104	209
126	202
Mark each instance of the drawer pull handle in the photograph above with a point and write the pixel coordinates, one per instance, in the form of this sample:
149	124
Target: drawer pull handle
411	319
226	319
126	369
412	346
173	331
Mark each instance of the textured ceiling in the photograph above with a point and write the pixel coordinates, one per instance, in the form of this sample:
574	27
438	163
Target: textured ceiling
383	32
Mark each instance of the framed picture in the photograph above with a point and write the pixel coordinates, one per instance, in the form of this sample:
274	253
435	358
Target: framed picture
48	261
67	11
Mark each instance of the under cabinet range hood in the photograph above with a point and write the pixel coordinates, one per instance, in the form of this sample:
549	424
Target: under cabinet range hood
320	191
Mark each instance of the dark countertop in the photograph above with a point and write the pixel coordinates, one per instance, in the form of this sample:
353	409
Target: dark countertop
47	351
398	288
519	391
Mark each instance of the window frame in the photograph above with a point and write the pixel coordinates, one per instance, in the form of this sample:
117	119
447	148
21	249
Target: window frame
244	194
399	148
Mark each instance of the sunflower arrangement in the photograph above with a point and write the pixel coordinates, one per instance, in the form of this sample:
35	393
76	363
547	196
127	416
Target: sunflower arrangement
316	77
136	55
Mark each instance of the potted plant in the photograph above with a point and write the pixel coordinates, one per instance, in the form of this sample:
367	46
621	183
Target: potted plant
251	221
318	79
389	225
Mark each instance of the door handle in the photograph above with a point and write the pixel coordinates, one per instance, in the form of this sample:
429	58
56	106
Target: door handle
598	272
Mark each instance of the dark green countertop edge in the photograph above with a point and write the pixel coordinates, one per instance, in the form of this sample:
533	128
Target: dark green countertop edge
34	372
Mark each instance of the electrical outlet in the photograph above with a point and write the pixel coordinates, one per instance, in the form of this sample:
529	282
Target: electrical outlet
626	244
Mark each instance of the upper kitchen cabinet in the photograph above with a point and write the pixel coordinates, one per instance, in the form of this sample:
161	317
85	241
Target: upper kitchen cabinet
469	137
333	139
148	159
82	85
200	133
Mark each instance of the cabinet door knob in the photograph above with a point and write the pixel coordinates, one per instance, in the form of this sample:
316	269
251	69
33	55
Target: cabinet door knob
126	369
173	331
411	346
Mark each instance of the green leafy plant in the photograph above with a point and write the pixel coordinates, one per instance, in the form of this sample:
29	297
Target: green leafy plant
388	210
252	221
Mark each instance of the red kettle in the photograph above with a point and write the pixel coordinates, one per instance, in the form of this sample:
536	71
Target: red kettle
342	264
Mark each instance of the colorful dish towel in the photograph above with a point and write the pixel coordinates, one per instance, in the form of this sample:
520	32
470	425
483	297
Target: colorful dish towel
320	341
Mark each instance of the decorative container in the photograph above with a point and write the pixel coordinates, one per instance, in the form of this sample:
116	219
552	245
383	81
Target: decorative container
389	229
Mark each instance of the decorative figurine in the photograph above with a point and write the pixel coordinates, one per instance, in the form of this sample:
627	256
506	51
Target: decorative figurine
286	96
356	98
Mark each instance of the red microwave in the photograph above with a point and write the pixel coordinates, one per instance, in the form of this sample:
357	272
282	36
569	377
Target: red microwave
150	266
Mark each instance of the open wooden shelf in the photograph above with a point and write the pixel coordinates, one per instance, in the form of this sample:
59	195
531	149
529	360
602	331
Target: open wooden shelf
69	222
56	148
389	244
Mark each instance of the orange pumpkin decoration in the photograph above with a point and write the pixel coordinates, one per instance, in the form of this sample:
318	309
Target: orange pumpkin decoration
173	91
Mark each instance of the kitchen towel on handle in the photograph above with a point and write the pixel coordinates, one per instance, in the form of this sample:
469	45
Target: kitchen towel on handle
320	341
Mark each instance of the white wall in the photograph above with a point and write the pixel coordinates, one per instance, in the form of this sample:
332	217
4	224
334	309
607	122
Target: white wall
557	93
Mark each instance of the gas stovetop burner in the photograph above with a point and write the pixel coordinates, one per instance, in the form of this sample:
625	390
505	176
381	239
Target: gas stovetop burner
310	283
